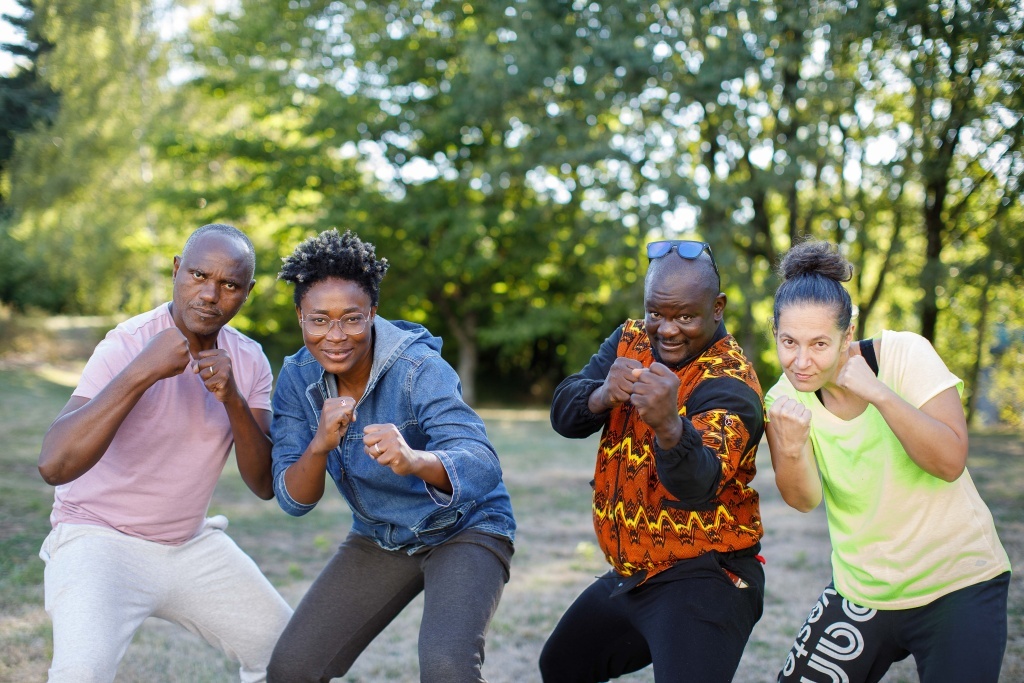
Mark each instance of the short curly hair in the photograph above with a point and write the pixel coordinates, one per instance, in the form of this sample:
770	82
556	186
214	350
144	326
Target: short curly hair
331	254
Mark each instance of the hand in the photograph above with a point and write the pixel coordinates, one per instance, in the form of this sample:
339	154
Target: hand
335	417
165	355
385	444
791	424
617	386
214	367
857	377
656	397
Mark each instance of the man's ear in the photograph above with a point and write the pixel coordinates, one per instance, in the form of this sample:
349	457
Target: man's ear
174	268
720	301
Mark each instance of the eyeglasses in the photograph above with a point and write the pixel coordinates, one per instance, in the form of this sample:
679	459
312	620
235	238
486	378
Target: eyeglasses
687	249
320	325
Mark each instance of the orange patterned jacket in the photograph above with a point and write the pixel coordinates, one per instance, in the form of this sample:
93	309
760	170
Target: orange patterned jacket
640	525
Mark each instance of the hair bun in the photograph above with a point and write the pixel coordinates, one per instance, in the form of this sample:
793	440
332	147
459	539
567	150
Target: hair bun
815	257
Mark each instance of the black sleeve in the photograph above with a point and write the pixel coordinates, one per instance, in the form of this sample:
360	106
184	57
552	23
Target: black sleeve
570	414
694	472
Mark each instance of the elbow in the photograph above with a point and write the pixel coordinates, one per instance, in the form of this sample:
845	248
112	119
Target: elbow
802	506
49	474
694	497
295	510
953	471
291	506
800	503
951	466
50	468
262	487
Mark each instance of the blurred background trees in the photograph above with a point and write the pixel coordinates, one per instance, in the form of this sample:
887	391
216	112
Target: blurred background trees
511	158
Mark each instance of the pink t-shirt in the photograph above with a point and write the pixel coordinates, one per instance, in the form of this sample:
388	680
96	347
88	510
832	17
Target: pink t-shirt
157	477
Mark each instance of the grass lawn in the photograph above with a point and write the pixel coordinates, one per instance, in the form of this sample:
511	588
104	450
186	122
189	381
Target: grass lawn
555	558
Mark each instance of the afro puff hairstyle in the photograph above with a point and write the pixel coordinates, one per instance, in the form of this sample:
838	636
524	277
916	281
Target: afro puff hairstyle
330	254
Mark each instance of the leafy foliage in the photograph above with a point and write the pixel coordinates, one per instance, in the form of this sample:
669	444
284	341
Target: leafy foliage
511	158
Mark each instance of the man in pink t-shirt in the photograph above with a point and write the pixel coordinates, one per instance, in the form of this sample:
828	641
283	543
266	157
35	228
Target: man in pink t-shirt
135	456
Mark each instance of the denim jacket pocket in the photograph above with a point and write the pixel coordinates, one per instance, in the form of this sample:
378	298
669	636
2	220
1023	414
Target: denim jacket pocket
438	525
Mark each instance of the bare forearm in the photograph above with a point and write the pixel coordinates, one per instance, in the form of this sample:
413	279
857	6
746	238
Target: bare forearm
252	448
931	443
430	469
81	434
304	478
796	474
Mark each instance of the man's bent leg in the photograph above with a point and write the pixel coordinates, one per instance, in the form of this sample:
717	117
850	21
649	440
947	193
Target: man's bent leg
98	590
696	627
594	640
220	594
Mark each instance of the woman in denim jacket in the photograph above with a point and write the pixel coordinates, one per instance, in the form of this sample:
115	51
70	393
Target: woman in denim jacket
372	404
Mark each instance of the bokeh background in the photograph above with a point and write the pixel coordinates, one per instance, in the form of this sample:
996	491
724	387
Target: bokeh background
511	158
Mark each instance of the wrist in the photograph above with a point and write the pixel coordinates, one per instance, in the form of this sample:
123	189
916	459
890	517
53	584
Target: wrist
670	435
596	403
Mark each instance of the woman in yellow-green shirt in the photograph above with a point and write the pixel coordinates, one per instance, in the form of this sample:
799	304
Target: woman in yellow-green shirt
877	428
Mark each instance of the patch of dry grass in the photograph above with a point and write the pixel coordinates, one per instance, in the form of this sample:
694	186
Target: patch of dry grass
555	555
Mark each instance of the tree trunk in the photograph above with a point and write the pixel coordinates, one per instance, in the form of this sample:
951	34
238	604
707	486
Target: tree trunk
894	246
931	274
463	328
979	343
468	357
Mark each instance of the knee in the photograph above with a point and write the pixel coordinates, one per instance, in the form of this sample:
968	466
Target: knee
288	665
280	670
287	668
443	665
83	671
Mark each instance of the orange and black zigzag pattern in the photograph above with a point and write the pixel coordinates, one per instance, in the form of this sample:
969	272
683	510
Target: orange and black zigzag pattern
639	524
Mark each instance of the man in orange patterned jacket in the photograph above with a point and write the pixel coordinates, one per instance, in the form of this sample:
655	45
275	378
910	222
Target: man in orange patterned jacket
681	412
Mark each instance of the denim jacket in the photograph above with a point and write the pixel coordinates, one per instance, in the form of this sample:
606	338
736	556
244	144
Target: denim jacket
412	387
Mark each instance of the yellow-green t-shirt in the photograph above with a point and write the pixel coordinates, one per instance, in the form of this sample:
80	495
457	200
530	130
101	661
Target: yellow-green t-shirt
900	537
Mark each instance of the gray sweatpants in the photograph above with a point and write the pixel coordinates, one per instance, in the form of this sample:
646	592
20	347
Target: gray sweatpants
100	585
364	587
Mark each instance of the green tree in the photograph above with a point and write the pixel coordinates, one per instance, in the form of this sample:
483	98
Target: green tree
81	186
26	103
449	135
25	100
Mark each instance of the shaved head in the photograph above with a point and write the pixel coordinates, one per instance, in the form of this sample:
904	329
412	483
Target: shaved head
699	270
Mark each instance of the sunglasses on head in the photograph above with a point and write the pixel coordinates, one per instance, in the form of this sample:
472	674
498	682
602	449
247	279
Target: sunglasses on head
687	249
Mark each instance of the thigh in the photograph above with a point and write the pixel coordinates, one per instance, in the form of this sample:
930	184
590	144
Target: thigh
842	641
695	626
221	595
463	582
98	589
960	636
594	640
359	592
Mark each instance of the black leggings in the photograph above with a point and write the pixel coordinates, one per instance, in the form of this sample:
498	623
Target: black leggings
958	637
692	628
